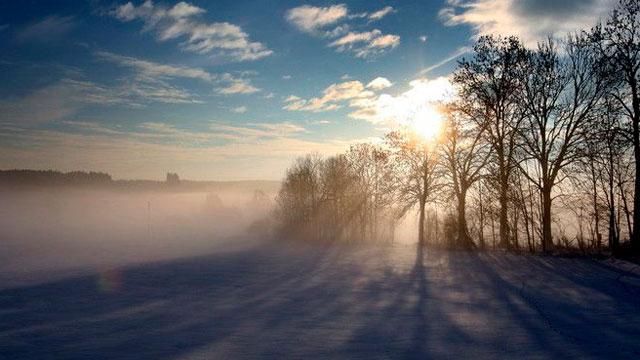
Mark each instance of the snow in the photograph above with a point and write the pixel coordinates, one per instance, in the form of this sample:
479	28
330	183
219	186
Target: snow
277	301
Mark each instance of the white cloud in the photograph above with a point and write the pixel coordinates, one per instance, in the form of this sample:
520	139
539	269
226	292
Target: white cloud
377	15
531	20
324	22
331	97
239	109
354	38
184	10
413	105
379	83
311	18
237	86
423	38
181	21
366	44
286	77
409	106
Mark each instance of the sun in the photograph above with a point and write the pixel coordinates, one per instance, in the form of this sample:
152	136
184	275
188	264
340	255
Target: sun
427	122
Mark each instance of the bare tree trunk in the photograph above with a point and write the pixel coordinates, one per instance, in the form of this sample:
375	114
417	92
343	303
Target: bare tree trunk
627	212
504	216
421	224
481	209
547	241
516	240
596	210
635	242
613	236
493	230
437	234
464	240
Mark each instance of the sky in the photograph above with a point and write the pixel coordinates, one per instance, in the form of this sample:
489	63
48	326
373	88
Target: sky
233	90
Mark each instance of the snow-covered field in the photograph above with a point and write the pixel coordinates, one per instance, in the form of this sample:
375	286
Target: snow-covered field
276	301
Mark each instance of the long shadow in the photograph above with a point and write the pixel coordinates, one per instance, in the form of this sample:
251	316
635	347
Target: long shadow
531	335
583	316
150	311
274	302
410	324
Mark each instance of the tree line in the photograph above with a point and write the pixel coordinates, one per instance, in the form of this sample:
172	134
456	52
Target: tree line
25	177
539	149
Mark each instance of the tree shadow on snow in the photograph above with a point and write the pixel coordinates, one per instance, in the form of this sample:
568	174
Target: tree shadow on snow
325	302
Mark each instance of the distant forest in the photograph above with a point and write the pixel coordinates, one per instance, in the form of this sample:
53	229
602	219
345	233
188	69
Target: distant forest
30	179
539	150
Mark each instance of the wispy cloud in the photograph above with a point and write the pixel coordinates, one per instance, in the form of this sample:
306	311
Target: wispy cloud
159	132
51	27
66	97
456	54
377	15
156	70
531	20
58	101
331	23
366	44
182	21
148	71
236	86
221	151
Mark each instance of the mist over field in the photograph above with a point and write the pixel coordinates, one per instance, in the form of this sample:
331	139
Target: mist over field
51	231
406	179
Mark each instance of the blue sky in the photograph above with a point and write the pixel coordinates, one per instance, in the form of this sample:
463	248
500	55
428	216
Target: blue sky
234	89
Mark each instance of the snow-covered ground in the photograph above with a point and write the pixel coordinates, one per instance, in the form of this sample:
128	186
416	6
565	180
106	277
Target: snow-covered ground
276	301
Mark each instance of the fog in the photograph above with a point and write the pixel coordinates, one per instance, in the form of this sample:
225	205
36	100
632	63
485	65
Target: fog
51	233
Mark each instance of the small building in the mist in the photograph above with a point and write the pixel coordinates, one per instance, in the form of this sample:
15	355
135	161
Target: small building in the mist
173	179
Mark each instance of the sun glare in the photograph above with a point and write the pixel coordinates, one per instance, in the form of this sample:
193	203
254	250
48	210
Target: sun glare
427	122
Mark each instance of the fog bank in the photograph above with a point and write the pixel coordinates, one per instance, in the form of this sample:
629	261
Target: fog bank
51	232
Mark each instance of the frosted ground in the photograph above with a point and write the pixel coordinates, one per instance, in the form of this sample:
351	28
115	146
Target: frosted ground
235	299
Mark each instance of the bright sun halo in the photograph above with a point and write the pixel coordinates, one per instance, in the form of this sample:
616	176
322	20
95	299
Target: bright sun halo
427	122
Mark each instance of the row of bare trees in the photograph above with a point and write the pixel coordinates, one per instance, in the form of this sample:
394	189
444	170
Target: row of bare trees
347	196
542	144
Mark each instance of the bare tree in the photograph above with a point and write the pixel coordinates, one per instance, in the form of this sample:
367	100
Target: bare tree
373	169
490	83
418	174
559	95
619	45
607	157
299	197
465	156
